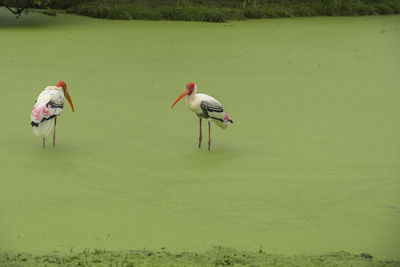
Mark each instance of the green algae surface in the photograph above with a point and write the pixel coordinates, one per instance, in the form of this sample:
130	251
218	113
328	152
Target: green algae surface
310	166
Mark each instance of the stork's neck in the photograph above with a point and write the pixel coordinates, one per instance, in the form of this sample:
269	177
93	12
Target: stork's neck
192	96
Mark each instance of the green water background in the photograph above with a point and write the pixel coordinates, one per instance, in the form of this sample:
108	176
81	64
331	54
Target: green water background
311	164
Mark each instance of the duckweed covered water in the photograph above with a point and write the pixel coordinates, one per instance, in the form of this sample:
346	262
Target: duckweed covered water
310	165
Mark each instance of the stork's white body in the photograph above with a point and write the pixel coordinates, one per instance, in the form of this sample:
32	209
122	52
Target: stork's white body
215	111
47	107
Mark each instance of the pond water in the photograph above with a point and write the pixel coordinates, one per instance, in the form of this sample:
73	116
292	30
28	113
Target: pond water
311	164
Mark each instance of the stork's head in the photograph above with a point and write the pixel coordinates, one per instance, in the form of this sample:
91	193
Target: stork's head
63	85
190	88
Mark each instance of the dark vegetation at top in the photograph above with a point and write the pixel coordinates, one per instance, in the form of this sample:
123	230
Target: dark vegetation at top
213	10
17	7
223	10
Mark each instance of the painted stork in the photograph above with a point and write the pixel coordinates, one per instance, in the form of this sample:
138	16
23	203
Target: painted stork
47	107
205	107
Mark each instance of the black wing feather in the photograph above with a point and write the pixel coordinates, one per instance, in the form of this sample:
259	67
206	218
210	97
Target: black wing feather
207	106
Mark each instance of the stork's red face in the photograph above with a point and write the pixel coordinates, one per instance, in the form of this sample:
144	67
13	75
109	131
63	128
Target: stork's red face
63	85
188	90
190	87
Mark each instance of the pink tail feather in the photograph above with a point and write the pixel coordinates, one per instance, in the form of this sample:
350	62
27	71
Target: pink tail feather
227	118
39	112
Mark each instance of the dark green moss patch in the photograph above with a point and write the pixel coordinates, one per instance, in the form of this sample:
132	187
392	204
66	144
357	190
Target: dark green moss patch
218	256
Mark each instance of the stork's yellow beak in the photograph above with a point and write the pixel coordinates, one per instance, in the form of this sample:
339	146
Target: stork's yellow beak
184	93
68	97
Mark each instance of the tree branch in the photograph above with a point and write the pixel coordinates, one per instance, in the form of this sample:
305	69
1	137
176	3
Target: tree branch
18	12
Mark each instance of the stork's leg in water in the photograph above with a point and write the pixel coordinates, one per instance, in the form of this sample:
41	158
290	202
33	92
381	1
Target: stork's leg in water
44	142
54	134
200	137
209	135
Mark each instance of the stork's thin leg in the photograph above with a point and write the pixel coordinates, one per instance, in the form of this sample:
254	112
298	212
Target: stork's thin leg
200	137
44	142
54	134
209	135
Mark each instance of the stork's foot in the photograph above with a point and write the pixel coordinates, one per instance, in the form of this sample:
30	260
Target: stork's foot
199	142
44	142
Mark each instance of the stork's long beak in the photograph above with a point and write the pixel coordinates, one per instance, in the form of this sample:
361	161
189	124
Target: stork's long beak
68	97
184	93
